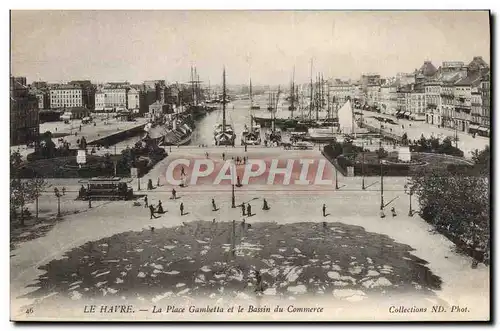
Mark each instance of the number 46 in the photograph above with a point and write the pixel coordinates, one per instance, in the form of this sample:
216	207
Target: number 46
29	310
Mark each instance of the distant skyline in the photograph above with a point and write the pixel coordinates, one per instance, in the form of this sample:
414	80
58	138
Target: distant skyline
135	46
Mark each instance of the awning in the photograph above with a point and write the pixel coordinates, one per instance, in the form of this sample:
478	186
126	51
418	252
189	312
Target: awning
473	127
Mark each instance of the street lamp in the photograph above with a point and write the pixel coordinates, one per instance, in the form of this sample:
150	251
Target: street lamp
233	200
58	195
363	165
336	179
409	190
381	185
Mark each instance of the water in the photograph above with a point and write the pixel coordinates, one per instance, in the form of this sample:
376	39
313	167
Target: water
237	114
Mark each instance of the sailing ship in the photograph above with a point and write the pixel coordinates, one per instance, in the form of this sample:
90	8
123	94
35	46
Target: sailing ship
251	135
173	130
224	134
253	105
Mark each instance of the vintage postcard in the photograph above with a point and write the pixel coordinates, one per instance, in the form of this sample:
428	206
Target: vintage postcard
250	165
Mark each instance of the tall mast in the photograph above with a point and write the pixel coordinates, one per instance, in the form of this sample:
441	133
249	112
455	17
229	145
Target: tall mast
311	100
192	85
224	100
251	97
318	91
293	92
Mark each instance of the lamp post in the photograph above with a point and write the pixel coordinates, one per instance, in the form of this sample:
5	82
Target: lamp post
381	185
233	200
409	191
90	198
363	165
336	179
58	195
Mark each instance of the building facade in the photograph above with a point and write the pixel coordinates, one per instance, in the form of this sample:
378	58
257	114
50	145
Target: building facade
417	103
389	98
133	100
433	103
485	105
341	91
24	121
373	95
67	96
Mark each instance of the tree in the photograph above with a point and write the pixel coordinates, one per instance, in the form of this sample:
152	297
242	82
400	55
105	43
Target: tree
22	192
457	206
482	160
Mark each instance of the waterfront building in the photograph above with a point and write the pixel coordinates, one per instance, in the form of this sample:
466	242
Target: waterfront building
133	100
341	91
65	96
417	102
24	122
389	97
433	102
485	120
462	92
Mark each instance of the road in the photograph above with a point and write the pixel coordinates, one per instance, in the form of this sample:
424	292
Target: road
415	129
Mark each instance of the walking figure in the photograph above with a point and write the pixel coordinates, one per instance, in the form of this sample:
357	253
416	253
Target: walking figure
160	208
174	196
64	190
206	154
382	214
238	183
265	205
182	209
237	160
393	211
150	184
158	182
152	212
243	209
214	207
249	210
259	287
324	210
183	173
146	201
245	147
223	157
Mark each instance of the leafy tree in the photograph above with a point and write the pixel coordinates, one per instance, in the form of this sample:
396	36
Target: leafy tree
382	153
457	206
22	192
482	161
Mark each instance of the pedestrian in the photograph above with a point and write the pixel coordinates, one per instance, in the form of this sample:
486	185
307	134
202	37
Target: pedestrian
174	194
237	160
249	210
245	147
206	154
158	182
324	210
182	208
243	209
238	183
64	190
159	210
150	184
152	212
183	172
393	211
146	201
214	207
382	214
265	206
223	157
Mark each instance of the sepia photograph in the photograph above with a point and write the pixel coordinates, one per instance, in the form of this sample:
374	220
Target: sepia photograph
250	165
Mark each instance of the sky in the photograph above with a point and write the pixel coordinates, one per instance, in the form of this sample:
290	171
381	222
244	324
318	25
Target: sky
266	46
